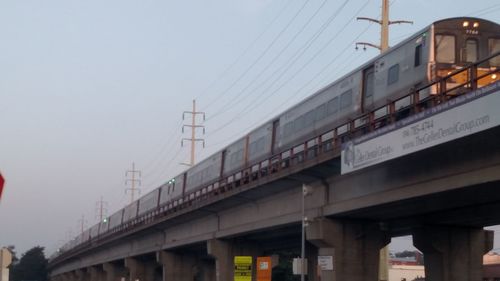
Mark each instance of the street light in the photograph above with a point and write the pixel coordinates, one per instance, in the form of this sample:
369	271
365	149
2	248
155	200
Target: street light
306	190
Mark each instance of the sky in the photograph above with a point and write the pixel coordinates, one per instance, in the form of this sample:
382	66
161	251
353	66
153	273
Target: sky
89	87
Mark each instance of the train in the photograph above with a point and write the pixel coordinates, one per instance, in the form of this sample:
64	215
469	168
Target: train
435	51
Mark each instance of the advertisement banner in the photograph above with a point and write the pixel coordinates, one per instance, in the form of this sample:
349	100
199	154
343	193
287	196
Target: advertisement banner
456	118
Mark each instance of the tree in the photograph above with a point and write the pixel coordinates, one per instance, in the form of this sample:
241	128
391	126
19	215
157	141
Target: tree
31	266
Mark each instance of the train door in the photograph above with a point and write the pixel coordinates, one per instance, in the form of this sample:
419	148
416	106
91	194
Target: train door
368	88
275	139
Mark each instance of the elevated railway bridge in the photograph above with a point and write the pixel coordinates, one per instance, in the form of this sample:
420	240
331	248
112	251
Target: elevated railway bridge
426	165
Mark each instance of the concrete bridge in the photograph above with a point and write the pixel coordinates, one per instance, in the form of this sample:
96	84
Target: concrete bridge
442	194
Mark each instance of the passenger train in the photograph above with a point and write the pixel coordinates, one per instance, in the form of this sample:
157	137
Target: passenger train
429	54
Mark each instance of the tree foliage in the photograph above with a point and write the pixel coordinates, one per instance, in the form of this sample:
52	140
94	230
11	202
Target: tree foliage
32	266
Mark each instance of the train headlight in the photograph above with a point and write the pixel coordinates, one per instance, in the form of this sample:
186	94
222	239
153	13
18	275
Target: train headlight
494	76
465	24
476	25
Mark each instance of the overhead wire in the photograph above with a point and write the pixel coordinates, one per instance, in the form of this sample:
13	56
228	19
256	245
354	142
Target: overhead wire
262	54
247	49
258	103
234	100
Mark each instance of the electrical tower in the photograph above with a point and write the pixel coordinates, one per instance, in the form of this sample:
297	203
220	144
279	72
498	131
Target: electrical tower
193	127
133	180
384	28
101	209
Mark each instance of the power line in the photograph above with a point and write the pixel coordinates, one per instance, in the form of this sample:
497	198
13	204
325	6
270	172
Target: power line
247	49
234	100
256	104
262	54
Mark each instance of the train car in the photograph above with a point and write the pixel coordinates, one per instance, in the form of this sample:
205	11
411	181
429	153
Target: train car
204	172
259	143
130	211
104	225
234	157
172	190
116	219
431	53
461	41
94	231
149	201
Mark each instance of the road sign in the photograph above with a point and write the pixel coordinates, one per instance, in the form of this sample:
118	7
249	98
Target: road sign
242	268
1	185
264	268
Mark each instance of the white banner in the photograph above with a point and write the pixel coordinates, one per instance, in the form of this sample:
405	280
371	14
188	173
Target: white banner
456	118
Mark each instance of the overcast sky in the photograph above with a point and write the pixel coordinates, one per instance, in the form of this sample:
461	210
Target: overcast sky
88	87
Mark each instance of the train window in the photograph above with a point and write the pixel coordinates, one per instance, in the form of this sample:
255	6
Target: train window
346	99
445	48
494	47
320	112
393	74
470	50
298	124
333	106
309	118
418	55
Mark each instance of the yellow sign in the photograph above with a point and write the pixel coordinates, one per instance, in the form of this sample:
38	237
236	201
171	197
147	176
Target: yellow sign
242	268
264	268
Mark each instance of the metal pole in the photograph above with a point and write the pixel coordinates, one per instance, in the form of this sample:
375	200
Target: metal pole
303	241
193	133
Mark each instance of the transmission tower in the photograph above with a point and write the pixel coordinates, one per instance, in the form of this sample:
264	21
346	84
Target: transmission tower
384	28
193	127
101	209
133	181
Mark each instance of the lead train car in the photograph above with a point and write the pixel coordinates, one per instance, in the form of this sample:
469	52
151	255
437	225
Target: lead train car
433	52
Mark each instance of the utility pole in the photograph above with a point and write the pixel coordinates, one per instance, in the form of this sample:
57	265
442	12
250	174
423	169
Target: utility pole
133	181
101	209
383	46
193	127
384	28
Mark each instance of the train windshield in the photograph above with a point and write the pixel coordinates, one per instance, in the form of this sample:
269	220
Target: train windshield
445	48
494	47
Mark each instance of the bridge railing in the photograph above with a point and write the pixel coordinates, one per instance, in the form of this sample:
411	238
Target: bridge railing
326	144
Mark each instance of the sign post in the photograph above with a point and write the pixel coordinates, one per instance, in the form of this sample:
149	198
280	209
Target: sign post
242	268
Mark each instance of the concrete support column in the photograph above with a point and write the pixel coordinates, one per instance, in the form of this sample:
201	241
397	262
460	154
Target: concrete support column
453	253
222	253
82	275
354	246
69	276
140	270
204	270
97	273
113	272
175	266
